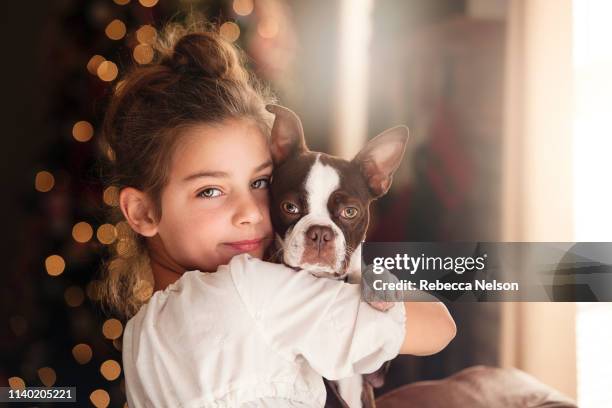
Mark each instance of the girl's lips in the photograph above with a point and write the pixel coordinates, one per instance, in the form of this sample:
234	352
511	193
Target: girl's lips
246	246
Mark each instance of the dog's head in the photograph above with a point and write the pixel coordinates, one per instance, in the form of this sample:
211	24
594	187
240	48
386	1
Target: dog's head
320	203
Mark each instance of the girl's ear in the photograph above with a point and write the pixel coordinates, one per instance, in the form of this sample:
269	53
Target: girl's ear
138	211
287	138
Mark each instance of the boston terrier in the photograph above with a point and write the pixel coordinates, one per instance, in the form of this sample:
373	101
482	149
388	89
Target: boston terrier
320	212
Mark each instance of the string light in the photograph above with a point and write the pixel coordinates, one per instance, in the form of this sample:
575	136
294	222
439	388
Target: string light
148	3
143	54
44	181
115	30
82	131
82	353
243	7
55	265
94	63
146	34
107	71
16	383
110	370
74	296
112	329
82	232
47	376
229	31
99	398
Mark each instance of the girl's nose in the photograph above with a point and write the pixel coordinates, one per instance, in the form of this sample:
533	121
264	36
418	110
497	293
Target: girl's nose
248	210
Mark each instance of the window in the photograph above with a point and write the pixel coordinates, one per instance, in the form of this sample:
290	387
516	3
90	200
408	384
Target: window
592	166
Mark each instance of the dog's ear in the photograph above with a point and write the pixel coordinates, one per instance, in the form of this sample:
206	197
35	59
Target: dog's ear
287	137
380	157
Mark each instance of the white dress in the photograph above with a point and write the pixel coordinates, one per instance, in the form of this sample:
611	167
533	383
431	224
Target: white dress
253	334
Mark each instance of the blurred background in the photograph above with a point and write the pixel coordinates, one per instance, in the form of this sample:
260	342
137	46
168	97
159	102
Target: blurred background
506	100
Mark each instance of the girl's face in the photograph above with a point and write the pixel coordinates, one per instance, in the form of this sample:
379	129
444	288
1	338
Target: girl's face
215	204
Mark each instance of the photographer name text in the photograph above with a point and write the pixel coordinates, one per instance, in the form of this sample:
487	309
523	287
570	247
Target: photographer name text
494	285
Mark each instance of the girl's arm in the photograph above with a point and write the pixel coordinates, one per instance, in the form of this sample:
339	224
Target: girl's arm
429	328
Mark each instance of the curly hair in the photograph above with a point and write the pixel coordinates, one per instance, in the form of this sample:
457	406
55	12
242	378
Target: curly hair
195	77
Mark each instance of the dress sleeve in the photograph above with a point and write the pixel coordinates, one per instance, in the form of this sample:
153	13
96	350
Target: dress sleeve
320	320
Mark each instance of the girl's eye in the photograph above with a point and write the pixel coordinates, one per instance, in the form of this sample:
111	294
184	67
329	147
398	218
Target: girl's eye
290	208
210	192
261	183
349	212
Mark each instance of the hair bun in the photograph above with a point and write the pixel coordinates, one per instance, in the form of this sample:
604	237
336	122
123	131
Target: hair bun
206	54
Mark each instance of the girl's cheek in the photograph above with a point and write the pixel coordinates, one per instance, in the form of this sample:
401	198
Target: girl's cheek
210	204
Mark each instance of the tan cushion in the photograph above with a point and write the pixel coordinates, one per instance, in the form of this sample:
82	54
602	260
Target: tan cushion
477	387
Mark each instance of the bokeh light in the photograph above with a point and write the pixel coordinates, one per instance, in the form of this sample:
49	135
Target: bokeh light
94	63
47	376
110	196
143	53
146	34
115	30
74	296
123	229
93	289
16	383
44	181
112	329
143	290
55	265
229	31
110	370
125	247
268	28
82	353
106	234
99	398
107	71
82	131
148	3
243	7
82	232
121	2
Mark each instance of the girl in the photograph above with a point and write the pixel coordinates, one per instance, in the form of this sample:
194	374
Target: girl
187	139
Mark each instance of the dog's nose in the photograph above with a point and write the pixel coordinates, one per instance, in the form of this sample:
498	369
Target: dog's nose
320	234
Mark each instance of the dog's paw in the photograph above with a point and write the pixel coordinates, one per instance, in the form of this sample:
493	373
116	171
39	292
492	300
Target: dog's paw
382	306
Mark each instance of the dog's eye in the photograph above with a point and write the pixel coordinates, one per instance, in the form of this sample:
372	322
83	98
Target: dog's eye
349	212
290	207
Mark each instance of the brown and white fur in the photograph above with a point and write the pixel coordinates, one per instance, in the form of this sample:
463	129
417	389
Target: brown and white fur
320	209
